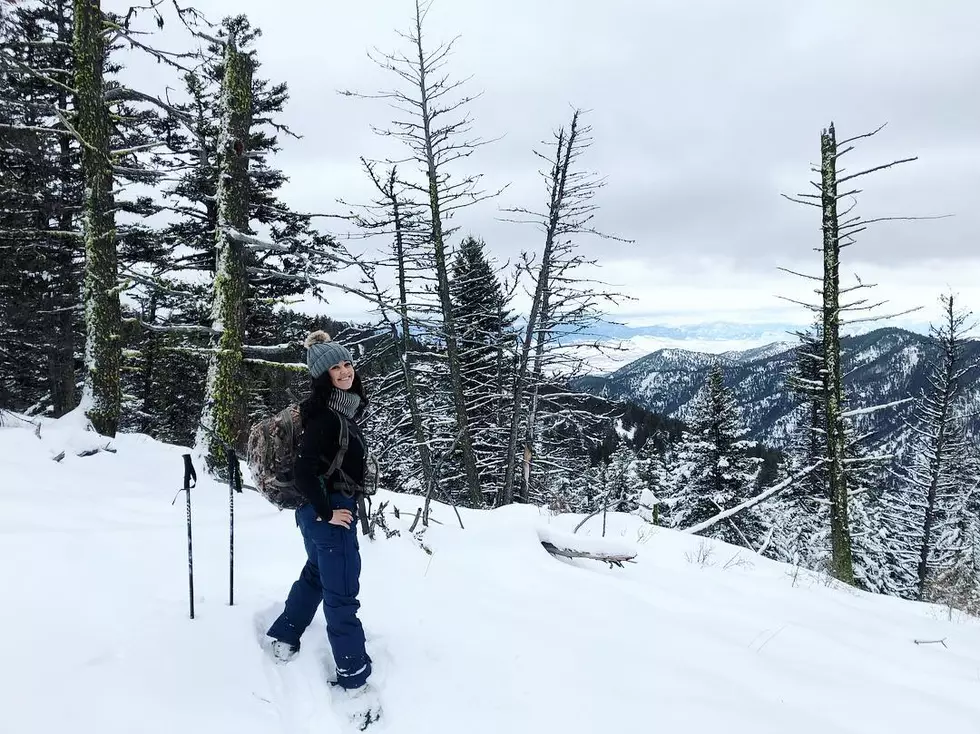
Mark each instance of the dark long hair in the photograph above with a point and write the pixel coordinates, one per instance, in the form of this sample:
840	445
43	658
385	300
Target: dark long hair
321	388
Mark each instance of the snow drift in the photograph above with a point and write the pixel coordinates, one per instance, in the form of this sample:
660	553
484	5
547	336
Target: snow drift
475	630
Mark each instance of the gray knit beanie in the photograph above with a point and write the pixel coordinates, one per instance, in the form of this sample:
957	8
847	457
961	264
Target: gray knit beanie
322	353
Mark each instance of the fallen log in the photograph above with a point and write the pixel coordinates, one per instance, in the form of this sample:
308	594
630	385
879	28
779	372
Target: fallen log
613	559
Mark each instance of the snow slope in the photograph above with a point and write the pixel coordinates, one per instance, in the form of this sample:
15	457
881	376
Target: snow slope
489	633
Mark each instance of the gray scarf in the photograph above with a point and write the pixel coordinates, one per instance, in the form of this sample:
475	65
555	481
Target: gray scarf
345	402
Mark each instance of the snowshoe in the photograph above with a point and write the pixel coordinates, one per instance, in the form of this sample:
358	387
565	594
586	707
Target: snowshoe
361	706
283	652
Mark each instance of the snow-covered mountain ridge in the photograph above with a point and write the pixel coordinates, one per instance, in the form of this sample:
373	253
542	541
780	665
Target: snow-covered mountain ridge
881	366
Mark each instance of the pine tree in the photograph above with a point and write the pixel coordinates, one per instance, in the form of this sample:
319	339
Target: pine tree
651	473
173	324
52	81
484	324
714	472
930	526
624	479
40	197
800	515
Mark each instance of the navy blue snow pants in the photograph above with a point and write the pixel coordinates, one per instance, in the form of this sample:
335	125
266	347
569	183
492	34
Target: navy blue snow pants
332	576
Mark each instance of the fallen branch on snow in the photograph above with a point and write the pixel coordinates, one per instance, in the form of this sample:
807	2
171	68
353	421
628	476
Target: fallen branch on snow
772	491
93	452
610	558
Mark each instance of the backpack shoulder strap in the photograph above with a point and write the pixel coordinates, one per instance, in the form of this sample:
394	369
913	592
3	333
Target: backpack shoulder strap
338	458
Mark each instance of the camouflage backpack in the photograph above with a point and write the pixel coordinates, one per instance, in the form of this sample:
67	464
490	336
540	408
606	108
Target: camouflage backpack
272	446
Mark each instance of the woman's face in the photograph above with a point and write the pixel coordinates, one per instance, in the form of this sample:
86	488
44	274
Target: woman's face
342	375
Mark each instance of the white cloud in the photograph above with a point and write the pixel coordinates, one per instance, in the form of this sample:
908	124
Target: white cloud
698	127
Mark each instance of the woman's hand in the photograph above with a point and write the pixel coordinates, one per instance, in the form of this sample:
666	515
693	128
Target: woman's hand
342	518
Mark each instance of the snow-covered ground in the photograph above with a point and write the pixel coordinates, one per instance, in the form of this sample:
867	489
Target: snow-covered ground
489	633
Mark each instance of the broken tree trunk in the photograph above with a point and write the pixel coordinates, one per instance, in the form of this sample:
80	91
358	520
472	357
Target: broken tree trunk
842	566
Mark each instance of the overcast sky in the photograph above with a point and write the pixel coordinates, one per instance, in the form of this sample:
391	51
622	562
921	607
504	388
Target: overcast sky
703	113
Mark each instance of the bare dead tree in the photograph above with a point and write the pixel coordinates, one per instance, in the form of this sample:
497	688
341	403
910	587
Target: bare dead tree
840	229
396	216
561	300
434	126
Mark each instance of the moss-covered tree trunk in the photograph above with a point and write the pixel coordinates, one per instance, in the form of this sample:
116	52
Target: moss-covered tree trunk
842	566
224	412
101	294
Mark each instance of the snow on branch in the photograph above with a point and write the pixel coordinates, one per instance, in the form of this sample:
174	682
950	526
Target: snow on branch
762	497
179	329
138	148
71	129
6	60
800	201
22	233
309	279
874	408
879	318
277	349
868	459
876	168
293	366
34	129
150	283
802	275
812	307
862	136
862	223
254	243
124	94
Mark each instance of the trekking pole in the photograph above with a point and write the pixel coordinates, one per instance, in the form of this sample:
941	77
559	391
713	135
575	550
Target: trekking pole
189	476
234	483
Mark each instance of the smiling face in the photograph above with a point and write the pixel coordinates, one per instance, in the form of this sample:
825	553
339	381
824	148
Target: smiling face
342	375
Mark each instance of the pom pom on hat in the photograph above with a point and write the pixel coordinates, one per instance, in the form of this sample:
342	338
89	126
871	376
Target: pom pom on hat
322	353
316	337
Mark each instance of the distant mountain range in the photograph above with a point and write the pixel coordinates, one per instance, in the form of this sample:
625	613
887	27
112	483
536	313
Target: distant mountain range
624	344
881	366
714	330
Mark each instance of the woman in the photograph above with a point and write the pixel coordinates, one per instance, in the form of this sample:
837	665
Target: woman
328	520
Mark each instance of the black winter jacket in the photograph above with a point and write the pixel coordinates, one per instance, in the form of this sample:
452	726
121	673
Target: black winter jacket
319	446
